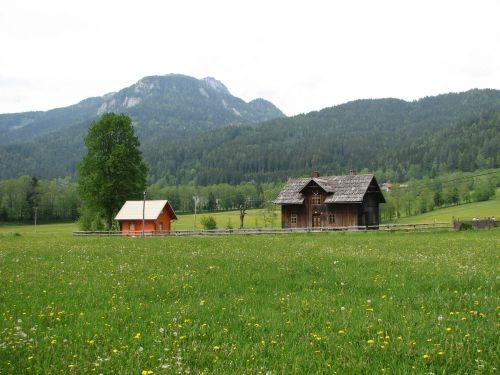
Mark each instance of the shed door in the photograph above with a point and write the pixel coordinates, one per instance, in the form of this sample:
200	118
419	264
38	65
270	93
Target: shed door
316	221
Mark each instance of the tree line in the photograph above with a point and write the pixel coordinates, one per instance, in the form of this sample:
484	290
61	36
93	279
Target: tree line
58	200
50	200
419	196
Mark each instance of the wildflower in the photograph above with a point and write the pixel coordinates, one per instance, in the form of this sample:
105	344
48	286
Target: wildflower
341	332
440	353
216	347
426	357
448	330
147	372
115	350
370	342
137	336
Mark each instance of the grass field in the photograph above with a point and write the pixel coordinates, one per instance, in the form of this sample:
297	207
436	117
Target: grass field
253	218
465	211
313	303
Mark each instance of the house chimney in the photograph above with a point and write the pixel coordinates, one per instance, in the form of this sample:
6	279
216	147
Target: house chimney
315	174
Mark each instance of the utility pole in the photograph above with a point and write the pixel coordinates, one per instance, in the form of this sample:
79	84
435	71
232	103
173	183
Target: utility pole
36	210
196	199
143	212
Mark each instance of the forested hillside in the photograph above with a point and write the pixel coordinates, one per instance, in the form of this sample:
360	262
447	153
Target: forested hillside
396	139
49	144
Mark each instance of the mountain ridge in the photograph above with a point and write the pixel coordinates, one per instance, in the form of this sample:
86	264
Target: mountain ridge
172	96
398	139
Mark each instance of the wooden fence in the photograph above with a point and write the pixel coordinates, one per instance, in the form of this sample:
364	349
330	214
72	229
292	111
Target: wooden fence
475	223
222	232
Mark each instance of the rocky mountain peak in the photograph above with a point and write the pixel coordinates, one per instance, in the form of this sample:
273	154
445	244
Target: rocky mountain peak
215	85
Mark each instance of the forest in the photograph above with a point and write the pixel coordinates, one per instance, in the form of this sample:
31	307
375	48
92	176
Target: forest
57	200
395	139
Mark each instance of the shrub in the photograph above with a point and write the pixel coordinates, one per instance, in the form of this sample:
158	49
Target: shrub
465	226
208	222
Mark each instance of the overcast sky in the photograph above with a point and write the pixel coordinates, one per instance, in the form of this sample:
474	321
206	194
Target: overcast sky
301	55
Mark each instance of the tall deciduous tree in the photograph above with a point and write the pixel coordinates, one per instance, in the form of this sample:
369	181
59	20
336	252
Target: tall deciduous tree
113	170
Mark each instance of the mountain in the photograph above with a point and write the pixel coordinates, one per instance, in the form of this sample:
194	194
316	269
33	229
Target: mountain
174	104
49	144
394	138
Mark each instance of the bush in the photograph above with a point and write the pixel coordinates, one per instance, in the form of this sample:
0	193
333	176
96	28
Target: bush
90	220
465	226
208	222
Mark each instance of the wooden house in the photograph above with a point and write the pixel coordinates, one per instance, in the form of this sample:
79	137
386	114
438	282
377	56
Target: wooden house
158	215
330	201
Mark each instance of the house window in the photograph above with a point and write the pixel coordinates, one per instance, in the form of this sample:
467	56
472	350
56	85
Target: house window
293	219
132	226
331	218
316	198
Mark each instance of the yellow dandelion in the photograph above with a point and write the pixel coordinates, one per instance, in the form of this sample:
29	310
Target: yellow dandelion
426	357
71	366
341	332
441	353
370	342
479	350
115	350
216	347
147	372
137	336
448	330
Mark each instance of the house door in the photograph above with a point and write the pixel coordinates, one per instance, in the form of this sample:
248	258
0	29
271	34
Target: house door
316	221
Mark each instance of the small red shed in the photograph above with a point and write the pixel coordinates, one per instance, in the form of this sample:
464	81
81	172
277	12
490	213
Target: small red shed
158	215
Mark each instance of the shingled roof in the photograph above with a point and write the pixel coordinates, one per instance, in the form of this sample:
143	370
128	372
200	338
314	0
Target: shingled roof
339	189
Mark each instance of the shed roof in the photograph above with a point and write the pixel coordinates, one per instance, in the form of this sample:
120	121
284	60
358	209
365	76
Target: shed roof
132	210
339	189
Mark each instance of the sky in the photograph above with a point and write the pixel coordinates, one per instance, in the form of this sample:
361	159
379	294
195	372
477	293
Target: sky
300	55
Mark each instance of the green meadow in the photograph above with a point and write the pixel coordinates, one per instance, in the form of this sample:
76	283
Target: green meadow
254	218
468	211
354	302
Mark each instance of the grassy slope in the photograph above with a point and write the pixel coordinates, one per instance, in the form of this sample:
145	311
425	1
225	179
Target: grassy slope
344	302
465	211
